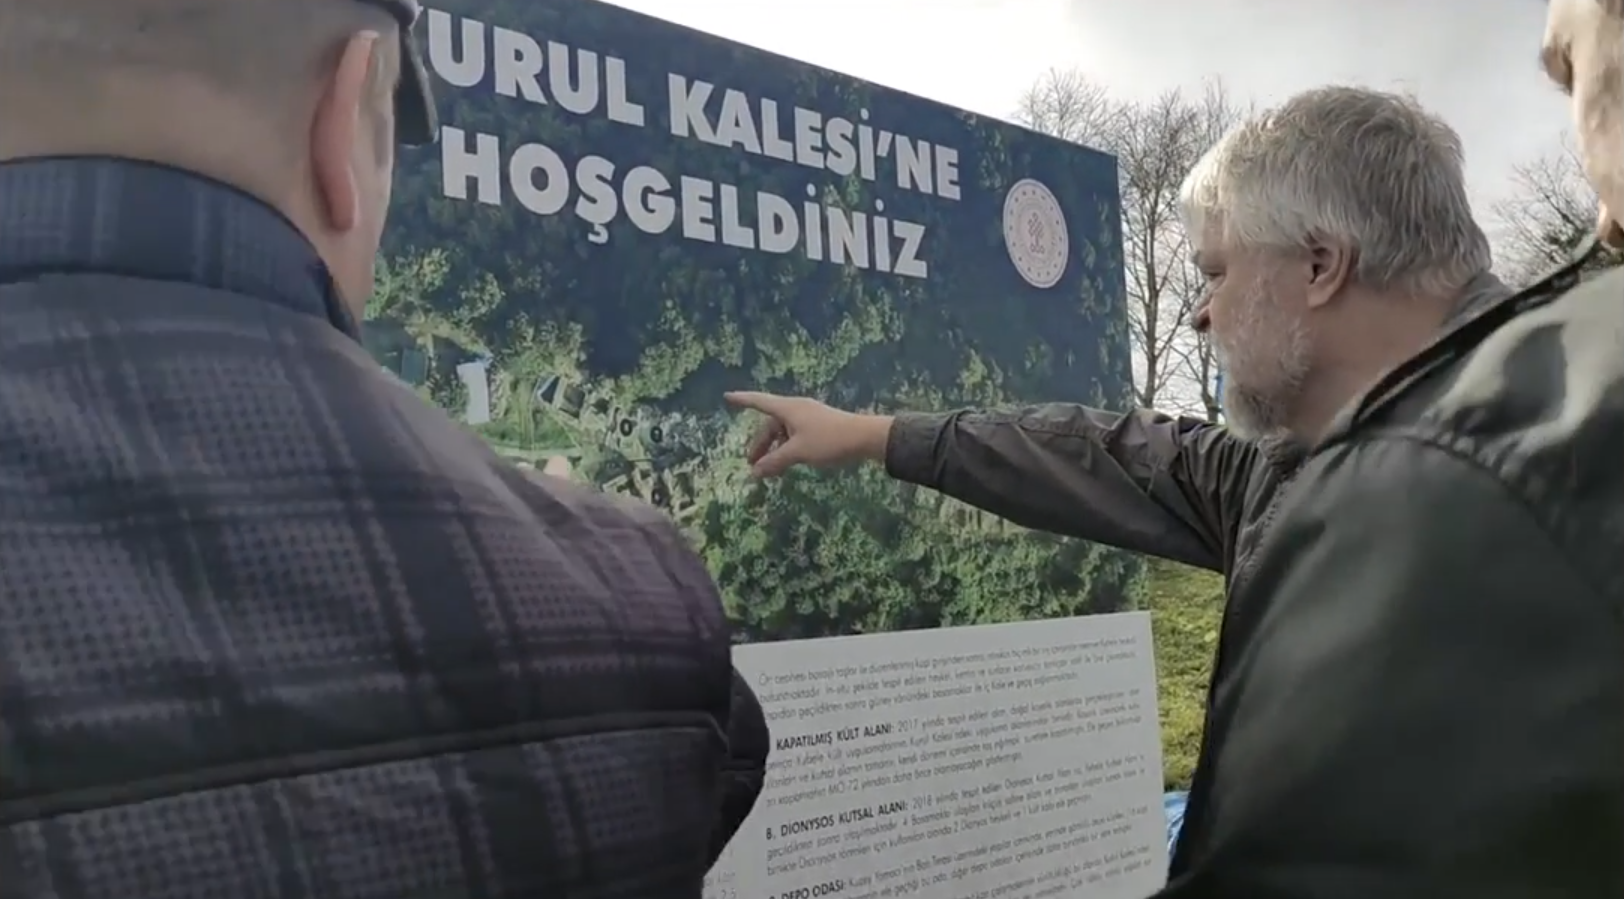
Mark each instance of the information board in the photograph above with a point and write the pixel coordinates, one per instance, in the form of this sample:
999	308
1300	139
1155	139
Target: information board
600	246
1014	761
624	219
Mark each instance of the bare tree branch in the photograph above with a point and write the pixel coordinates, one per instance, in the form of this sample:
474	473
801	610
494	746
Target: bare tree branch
1067	105
1155	144
1552	213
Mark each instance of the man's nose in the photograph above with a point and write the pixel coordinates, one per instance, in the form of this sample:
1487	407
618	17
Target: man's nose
1201	320
1611	228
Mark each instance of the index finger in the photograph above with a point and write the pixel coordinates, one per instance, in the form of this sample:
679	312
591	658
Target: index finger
765	403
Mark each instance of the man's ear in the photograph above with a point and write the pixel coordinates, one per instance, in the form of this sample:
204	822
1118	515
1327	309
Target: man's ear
337	128
1330	268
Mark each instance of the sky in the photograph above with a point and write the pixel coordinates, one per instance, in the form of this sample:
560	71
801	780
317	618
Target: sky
1471	61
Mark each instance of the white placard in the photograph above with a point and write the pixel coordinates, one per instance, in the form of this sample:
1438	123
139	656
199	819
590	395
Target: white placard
1015	761
475	376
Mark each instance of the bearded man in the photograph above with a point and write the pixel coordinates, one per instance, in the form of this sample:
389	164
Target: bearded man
1182	488
1418	505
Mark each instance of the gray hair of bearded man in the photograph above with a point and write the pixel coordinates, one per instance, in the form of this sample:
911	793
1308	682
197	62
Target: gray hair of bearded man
1366	170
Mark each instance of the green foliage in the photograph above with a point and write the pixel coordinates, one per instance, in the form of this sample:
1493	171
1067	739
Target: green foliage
856	552
1186	607
655	328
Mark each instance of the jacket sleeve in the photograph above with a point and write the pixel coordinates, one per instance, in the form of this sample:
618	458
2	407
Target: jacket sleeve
1431	705
745	770
1170	487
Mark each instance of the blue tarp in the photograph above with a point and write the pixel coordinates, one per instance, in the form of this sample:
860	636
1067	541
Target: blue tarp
1173	805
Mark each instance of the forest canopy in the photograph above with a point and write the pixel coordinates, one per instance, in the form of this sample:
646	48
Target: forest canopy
609	339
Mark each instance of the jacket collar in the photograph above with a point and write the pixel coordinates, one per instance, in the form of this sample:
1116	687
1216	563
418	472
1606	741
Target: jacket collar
1486	297
1485	305
1479	294
142	220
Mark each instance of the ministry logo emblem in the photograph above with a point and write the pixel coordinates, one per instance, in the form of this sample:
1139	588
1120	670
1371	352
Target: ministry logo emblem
1035	233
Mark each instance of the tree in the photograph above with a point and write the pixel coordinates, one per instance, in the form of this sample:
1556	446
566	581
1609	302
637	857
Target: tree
1548	218
1155	144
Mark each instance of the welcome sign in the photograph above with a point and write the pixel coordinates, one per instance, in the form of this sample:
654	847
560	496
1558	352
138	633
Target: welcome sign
622	220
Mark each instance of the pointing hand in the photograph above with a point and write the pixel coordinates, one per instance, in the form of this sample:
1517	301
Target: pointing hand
797	430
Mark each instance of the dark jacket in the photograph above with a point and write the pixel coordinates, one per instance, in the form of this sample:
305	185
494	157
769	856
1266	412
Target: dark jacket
272	626
1178	488
1423	693
1418	690
745	772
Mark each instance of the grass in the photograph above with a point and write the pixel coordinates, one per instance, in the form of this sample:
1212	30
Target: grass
1186	605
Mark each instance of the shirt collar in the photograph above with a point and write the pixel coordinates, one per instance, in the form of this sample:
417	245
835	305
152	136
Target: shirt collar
144	220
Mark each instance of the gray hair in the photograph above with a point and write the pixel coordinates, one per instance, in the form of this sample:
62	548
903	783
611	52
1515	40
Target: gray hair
1367	170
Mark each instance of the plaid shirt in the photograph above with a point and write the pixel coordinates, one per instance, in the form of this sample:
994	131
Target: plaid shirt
270	626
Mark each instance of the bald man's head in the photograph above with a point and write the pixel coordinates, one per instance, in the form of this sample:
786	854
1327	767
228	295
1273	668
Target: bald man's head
291	100
69	58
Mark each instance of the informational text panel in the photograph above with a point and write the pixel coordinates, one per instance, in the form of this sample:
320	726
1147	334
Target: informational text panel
1011	761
